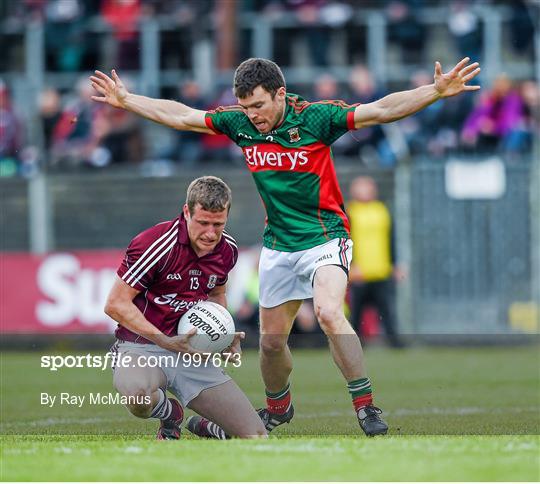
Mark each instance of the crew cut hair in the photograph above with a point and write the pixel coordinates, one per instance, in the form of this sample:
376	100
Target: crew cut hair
210	192
257	72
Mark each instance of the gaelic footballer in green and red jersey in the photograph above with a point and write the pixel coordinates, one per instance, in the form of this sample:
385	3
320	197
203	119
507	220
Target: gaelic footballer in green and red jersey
293	169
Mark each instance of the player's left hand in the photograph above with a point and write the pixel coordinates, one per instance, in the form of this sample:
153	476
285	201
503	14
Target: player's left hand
181	343
111	89
235	347
455	81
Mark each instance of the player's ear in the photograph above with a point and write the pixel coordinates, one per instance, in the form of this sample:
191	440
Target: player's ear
279	94
185	209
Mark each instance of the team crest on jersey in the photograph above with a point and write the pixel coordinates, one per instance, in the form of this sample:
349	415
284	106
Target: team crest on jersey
212	281
294	134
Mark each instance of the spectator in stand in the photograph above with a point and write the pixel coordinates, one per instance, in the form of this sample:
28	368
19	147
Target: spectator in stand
118	136
187	17
530	93
465	27
421	129
317	35
405	29
373	269
189	148
435	131
14	16
17	13
496	123
50	112
124	16
312	26
65	42
10	134
522	26
370	143
74	138
452	116
325	87
82	134
221	148
362	85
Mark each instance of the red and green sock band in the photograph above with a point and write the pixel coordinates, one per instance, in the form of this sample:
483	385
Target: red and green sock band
279	402
360	391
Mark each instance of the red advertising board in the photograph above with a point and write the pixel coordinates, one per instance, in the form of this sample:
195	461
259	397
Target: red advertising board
66	292
56	293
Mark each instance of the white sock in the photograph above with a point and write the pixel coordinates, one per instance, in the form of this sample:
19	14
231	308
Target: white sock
216	431
163	407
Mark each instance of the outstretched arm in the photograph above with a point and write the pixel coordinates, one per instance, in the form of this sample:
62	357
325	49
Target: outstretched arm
169	113
402	104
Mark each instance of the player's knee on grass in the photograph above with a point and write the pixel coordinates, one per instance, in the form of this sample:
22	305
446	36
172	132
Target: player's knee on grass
272	344
252	430
140	410
139	393
262	434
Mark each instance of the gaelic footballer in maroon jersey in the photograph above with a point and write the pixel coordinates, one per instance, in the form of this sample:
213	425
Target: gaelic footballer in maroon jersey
171	278
166	270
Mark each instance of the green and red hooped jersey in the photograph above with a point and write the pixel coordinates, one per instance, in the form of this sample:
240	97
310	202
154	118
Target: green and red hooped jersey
293	169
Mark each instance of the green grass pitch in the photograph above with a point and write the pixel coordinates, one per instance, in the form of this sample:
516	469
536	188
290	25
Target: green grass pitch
468	414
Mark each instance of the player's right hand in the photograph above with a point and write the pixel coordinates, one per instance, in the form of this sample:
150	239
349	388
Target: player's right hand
111	89
180	343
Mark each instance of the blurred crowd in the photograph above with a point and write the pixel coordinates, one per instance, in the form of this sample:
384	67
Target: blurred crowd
75	131
72	44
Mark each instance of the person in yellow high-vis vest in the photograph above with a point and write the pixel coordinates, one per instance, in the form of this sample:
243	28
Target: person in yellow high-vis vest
373	269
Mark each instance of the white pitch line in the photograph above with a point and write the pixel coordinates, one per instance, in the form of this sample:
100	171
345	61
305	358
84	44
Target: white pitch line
423	411
299	416
61	421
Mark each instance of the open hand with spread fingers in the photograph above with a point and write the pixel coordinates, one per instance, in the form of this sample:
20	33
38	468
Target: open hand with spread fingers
111	89
455	81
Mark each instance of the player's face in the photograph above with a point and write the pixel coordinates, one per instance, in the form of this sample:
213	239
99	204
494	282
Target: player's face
262	110
204	228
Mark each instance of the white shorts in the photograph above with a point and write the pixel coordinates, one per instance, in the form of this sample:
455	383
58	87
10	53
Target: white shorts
185	381
288	276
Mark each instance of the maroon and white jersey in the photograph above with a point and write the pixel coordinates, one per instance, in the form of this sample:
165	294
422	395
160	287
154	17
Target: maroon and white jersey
171	277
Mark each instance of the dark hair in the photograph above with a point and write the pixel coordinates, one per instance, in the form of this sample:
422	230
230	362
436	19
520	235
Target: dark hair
210	192
257	72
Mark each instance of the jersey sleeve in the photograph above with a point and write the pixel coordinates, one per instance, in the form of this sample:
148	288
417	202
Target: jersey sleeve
230	257
225	120
144	256
331	119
